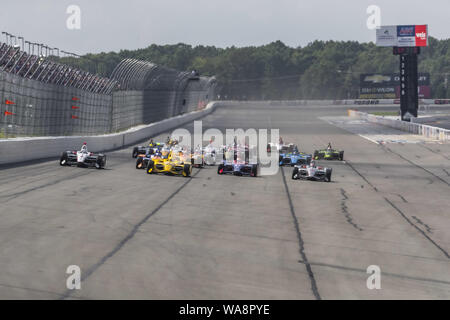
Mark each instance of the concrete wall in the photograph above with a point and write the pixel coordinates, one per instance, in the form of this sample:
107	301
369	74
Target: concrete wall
415	128
16	150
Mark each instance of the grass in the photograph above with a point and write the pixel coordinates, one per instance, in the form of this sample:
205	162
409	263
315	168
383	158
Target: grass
385	113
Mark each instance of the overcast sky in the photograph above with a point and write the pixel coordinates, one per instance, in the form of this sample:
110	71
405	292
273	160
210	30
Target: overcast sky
111	25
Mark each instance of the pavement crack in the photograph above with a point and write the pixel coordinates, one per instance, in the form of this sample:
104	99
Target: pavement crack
394	275
301	243
427	227
360	174
128	237
403	198
416	165
417	228
15	195
347	214
435	152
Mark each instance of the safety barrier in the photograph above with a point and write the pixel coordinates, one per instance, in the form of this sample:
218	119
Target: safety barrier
30	107
18	150
414	128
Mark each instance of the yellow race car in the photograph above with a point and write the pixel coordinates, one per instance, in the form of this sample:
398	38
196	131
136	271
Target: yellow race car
170	163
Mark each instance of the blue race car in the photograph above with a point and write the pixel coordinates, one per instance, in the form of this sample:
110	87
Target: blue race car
289	155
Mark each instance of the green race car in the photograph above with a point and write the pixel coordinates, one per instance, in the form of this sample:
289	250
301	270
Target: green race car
328	154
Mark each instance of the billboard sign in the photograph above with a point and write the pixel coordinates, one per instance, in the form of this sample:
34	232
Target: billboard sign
402	36
406	36
387	86
387	36
421	33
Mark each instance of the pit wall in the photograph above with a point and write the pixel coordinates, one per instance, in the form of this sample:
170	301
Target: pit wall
414	128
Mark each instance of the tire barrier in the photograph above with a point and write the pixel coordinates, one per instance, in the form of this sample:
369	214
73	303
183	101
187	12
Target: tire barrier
414	128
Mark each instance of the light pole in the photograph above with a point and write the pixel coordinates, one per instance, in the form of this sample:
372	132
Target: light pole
23	44
29	43
15	39
6	36
446	85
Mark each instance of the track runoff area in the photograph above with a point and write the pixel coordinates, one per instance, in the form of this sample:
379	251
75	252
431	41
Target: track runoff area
378	230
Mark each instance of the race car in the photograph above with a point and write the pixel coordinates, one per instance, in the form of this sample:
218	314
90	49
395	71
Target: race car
197	158
236	164
238	168
210	155
311	172
149	149
328	154
83	158
142	159
289	155
169	163
273	146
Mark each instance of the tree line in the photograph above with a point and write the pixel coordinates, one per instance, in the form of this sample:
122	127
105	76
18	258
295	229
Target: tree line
320	70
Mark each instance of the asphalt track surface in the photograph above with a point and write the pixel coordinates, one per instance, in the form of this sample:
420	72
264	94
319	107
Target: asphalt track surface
139	236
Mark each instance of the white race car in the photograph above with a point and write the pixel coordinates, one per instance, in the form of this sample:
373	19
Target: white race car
83	158
312	172
210	155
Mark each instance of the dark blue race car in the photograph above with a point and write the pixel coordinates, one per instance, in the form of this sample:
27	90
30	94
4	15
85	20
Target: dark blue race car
238	163
238	168
290	156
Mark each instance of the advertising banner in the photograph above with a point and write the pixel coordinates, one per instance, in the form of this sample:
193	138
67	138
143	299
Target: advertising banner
406	36
421	36
387	36
402	36
387	86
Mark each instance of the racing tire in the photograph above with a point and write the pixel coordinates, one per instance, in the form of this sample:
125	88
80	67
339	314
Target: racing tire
254	172
328	175
150	166
187	169
316	155
100	162
220	169
135	152
341	155
295	174
140	163
63	160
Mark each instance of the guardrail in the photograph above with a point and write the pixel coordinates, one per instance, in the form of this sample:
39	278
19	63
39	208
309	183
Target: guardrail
415	128
425	102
